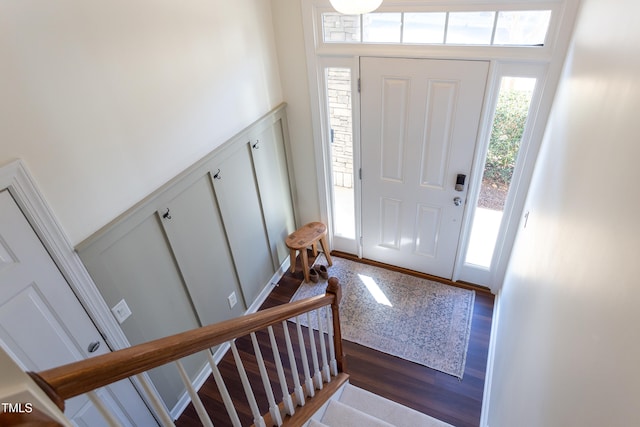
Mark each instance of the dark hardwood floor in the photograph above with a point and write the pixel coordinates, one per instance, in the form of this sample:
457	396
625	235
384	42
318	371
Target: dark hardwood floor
442	396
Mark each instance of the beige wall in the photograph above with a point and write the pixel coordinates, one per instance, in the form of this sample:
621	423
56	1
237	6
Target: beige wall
107	100
567	344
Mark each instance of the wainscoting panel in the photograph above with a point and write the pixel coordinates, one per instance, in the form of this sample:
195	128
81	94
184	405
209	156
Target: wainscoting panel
216	229
198	240
237	193
140	268
270	162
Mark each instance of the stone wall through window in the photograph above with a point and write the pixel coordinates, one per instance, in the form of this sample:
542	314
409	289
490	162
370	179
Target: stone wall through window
340	116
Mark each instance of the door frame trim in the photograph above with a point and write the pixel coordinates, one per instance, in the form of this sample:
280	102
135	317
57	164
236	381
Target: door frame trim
325	172
16	178
317	53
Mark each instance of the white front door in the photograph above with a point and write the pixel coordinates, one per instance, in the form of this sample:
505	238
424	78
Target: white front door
419	122
43	325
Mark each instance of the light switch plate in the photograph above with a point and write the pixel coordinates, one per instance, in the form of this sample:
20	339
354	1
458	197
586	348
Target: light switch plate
121	311
232	299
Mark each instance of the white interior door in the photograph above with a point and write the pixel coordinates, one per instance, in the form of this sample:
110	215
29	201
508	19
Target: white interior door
419	123
43	325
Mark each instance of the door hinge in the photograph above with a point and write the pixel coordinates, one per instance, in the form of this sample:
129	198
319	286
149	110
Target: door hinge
360	174
359	87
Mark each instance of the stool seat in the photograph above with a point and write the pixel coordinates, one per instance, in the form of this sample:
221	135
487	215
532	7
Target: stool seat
305	236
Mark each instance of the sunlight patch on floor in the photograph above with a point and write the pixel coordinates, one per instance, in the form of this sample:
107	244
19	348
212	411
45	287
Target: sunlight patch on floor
375	290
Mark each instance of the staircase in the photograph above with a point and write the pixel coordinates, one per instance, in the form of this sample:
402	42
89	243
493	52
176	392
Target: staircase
302	385
354	407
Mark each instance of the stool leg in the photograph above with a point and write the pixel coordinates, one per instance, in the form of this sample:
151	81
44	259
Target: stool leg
325	249
314	248
305	264
292	260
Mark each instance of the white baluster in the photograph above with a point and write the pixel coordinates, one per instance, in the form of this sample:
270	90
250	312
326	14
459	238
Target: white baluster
297	387
332	348
308	382
286	398
222	388
273	407
104	411
158	405
323	348
317	377
257	417
195	399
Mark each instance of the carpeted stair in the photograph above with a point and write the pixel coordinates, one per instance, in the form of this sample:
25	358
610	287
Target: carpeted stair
356	407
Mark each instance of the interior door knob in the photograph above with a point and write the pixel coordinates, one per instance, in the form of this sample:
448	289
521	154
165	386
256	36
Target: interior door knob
457	201
93	346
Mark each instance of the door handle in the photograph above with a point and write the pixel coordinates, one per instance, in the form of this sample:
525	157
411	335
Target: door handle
93	346
457	201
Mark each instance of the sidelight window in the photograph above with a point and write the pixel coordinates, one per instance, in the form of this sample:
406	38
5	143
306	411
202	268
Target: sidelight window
510	118
339	100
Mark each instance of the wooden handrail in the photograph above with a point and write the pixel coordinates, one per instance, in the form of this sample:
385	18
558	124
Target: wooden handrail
83	376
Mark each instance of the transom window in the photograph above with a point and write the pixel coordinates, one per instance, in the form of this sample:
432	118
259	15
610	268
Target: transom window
483	28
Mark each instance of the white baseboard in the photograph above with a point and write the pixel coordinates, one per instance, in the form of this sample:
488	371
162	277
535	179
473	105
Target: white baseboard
486	399
268	287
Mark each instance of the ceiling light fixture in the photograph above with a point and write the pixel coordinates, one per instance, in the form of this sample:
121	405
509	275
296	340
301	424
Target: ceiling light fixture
355	7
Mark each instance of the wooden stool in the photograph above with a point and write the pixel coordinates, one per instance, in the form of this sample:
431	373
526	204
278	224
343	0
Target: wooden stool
301	239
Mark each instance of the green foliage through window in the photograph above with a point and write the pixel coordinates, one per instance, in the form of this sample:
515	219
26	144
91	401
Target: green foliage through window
506	134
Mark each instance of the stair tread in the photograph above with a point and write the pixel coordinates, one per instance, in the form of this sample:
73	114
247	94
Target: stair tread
316	423
385	409
341	415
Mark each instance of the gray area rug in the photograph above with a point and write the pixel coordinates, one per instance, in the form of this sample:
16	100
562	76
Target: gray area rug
419	320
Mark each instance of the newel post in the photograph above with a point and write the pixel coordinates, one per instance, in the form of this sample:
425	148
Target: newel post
334	288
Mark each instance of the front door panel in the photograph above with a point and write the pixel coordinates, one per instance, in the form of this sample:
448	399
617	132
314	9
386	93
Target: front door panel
419	126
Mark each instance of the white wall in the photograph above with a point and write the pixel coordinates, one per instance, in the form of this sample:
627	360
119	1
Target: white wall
287	21
107	100
567	342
